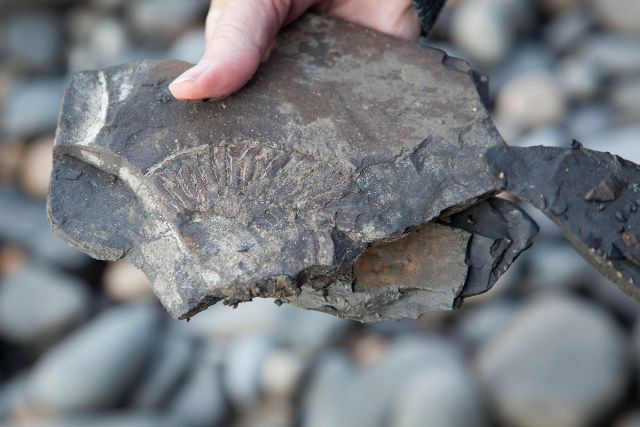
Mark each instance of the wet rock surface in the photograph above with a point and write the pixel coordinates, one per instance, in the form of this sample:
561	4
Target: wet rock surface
276	191
593	196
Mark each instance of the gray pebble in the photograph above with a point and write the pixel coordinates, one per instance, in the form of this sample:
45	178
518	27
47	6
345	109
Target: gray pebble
616	56
189	46
242	371
170	364
625	98
439	396
479	324
38	304
162	20
33	40
621	140
103	420
24	221
622	16
562	363
588	120
31	107
369	395
200	402
95	366
489	18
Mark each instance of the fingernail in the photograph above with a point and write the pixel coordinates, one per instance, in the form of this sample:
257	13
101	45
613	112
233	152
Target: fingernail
193	73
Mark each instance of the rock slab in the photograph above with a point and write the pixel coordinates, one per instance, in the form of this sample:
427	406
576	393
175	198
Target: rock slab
344	139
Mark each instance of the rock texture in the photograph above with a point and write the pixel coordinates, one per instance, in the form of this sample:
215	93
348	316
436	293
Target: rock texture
592	196
344	139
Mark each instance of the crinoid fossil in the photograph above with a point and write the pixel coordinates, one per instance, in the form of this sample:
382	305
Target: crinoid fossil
349	176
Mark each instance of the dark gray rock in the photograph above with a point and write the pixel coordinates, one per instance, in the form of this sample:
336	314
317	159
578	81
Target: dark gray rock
592	196
277	190
94	367
38	304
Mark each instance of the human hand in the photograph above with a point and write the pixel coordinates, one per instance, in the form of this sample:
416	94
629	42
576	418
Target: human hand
239	32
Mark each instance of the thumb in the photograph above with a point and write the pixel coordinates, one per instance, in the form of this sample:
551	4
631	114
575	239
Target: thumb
238	34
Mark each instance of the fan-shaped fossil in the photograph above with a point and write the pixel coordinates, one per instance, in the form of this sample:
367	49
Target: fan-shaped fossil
347	177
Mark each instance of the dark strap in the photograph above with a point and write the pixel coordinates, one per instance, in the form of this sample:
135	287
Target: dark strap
428	11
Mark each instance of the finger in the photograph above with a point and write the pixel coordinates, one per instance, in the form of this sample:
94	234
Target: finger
238	34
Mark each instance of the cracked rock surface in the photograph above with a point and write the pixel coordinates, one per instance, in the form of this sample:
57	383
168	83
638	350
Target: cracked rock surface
312	185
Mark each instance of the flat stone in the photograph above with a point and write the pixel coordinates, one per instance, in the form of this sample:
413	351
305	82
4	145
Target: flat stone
33	107
561	362
24	222
344	139
27	314
170	364
94	367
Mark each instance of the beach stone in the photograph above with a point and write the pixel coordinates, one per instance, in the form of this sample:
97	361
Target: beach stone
589	120
532	100
443	397
101	420
528	58
559	6
13	393
243	368
33	40
562	362
12	258
94	367
579	79
39	304
305	253
615	56
620	140
479	324
35	167
367	397
200	402
100	42
567	30
631	419
332	372
189	46
23	221
625	98
10	155
489	18
124	282
620	16
169	366
162	20
281	374
33	109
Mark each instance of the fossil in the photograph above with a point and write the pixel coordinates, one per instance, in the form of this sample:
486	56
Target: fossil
349	176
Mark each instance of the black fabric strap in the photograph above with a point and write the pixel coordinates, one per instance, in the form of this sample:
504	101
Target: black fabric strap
428	11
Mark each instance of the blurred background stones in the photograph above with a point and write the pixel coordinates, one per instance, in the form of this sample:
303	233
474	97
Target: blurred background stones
84	343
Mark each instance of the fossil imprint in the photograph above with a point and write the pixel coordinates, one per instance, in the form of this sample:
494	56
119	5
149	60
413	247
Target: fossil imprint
349	176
